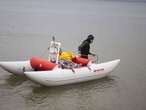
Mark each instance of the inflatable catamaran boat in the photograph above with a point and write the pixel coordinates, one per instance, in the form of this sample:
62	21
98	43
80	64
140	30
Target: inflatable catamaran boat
52	73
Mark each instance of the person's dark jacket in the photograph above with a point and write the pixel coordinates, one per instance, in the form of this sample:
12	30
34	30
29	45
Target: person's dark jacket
84	48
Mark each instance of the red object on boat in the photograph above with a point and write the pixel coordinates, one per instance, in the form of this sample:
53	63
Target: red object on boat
41	64
79	60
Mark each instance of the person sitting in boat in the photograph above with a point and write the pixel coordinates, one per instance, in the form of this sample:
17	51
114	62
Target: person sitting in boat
84	48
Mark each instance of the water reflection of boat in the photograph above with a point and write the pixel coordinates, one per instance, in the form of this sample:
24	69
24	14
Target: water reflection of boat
40	94
15	80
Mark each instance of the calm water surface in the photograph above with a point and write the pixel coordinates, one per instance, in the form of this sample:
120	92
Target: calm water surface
26	27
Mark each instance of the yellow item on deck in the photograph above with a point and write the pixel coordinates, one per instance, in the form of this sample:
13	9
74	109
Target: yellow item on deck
66	56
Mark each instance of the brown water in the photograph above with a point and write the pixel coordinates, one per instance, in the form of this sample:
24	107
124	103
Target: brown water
26	27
